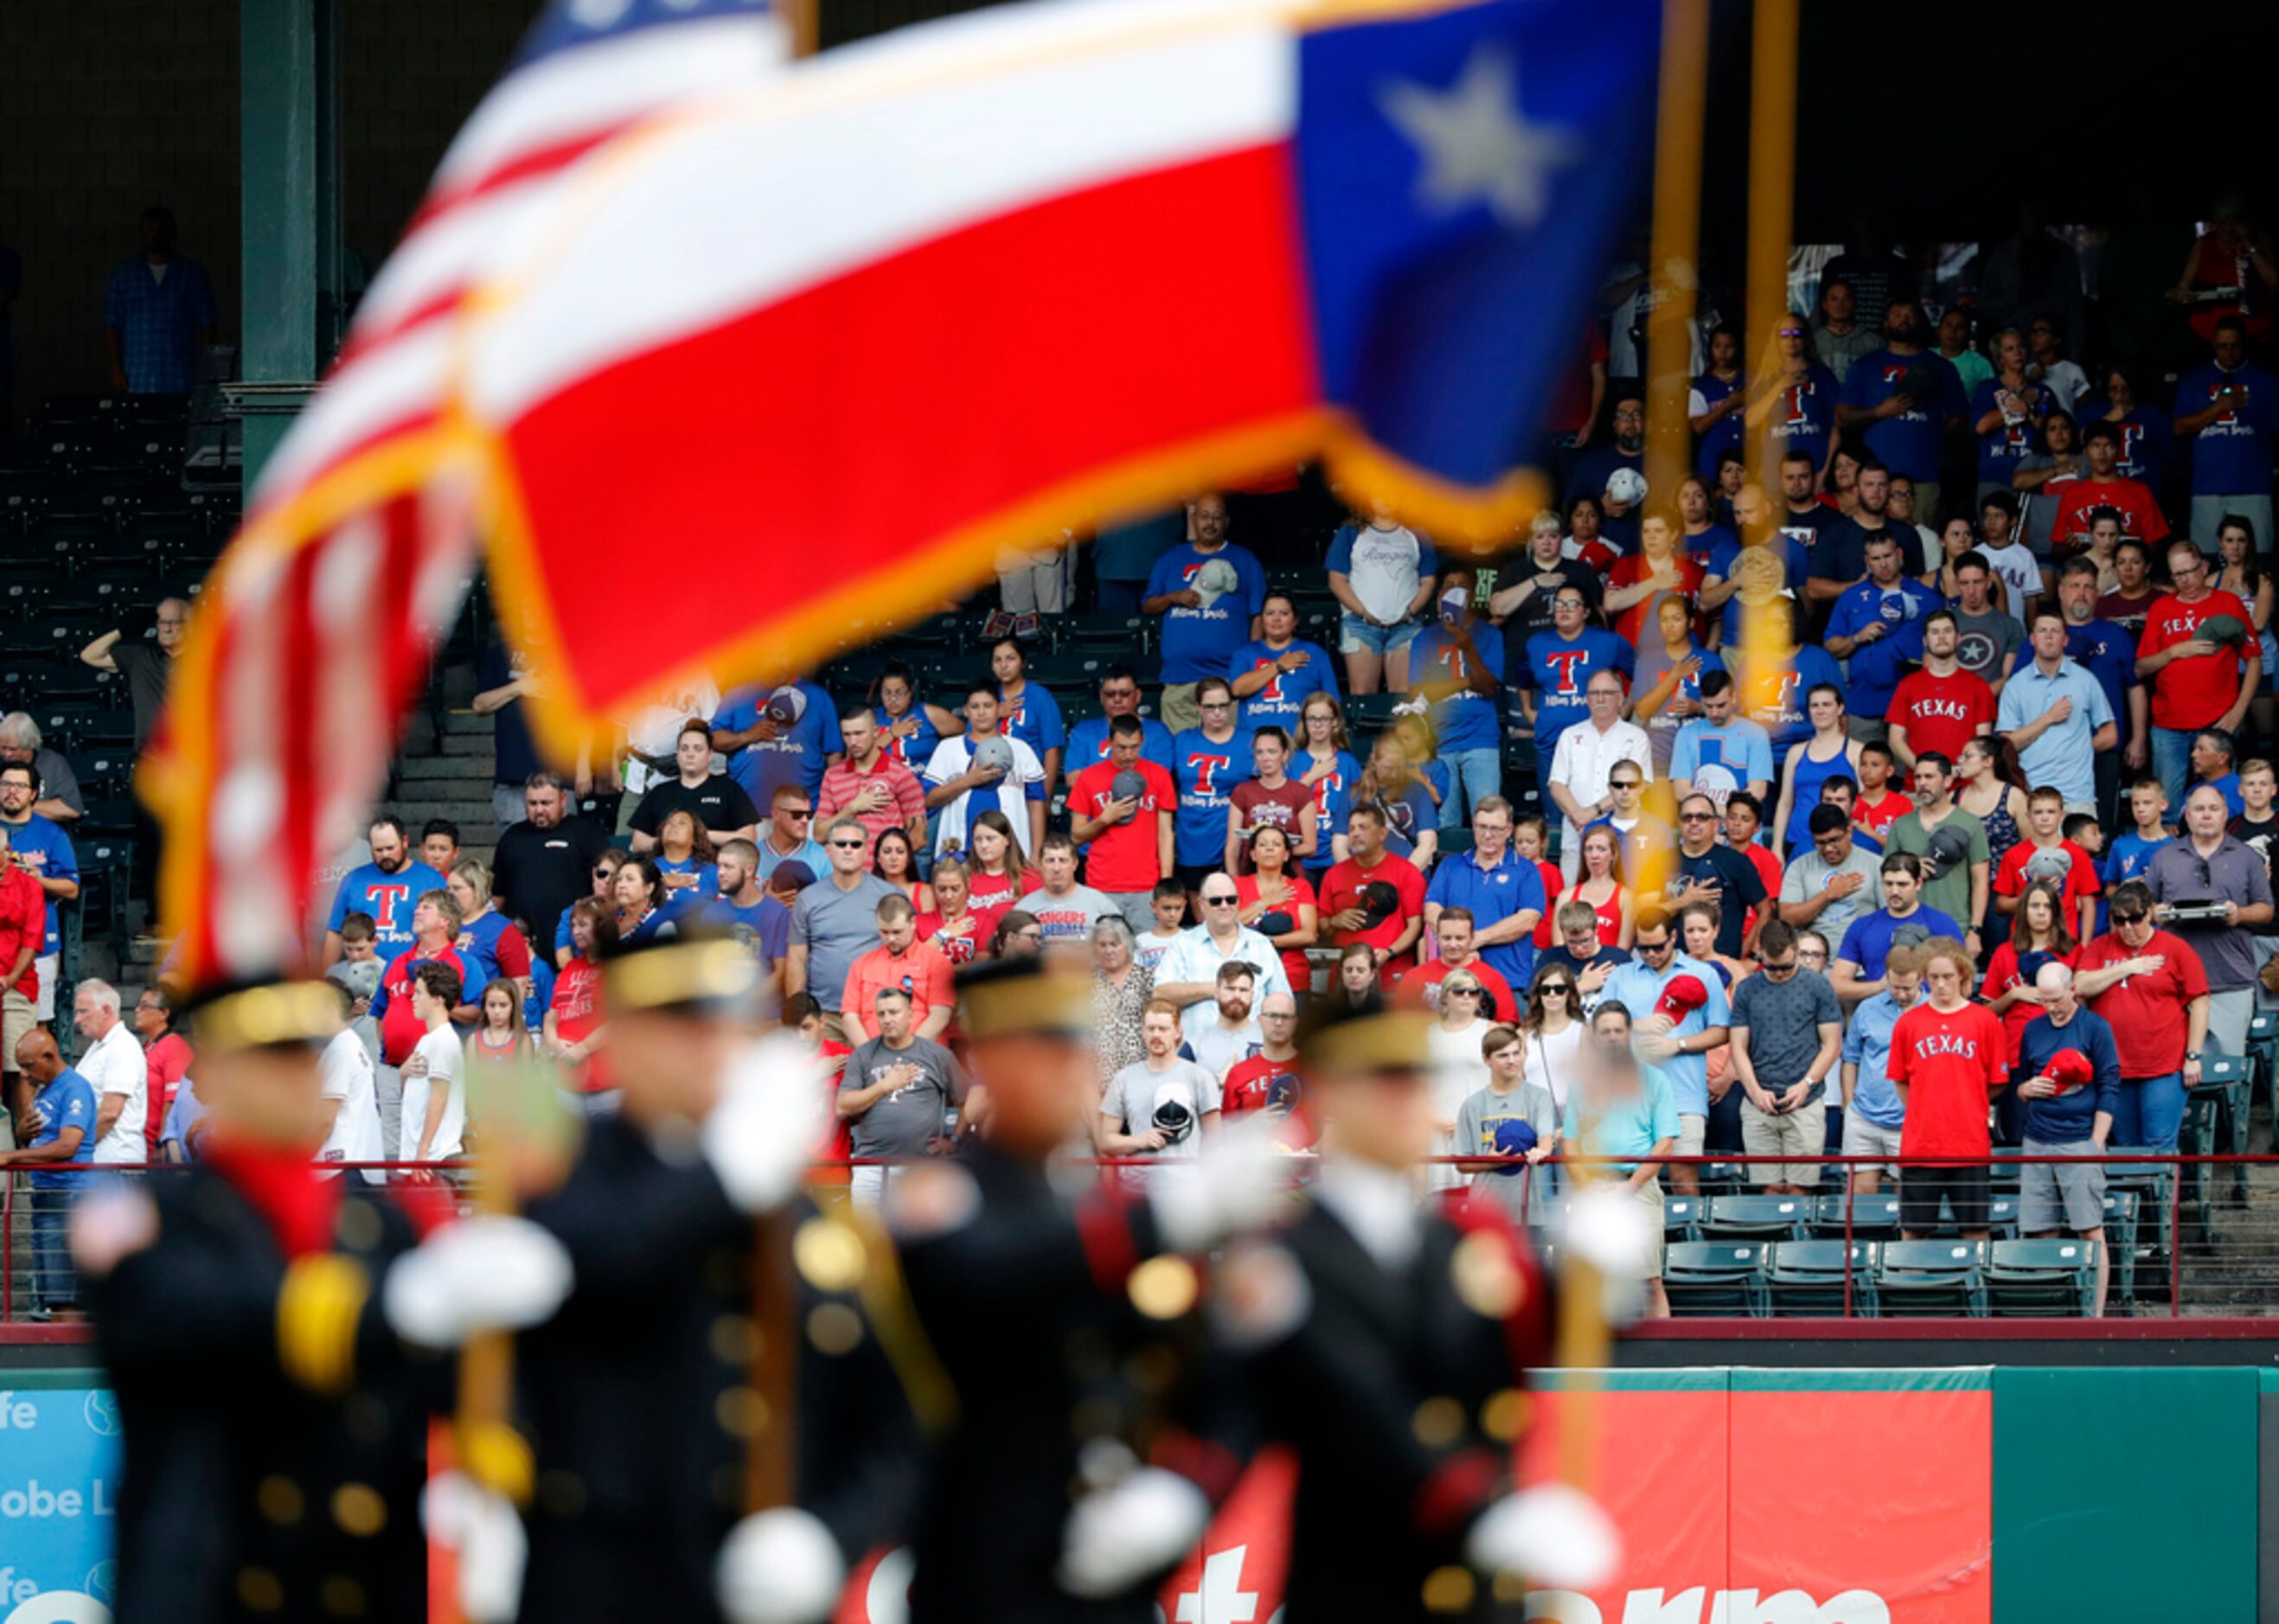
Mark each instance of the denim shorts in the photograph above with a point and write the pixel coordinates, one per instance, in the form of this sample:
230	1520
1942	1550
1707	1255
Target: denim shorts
1357	636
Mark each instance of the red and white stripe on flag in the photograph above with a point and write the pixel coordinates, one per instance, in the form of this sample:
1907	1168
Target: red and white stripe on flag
323	617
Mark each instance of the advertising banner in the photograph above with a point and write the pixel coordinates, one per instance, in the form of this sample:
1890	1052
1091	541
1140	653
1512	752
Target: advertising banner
58	1493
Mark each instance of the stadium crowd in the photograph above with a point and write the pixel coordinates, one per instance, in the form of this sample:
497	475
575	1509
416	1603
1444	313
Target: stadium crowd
1975	848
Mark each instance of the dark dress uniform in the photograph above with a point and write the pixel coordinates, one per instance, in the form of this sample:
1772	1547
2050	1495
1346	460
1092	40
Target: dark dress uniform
637	1399
276	1429
1398	1389
1032	1304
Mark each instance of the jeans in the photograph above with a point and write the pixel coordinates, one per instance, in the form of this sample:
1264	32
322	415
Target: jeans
2172	761
2148	1112
387	1094
1473	776
53	1282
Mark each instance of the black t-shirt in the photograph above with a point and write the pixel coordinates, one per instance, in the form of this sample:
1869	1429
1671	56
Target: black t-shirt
2261	839
1560	958
720	803
146	671
1841	552
538	873
1740	890
1534	614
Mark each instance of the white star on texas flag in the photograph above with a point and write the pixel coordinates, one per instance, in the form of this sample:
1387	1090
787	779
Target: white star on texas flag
1477	144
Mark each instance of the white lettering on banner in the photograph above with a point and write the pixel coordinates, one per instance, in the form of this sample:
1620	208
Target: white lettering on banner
21	1414
1657	1606
33	1501
15	1590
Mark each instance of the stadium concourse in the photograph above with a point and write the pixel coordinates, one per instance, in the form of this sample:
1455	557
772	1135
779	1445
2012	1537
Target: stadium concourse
1974	892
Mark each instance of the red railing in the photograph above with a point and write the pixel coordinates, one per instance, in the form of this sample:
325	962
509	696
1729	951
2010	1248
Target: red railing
2186	1191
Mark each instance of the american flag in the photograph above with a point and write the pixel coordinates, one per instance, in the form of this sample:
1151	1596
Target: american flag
362	532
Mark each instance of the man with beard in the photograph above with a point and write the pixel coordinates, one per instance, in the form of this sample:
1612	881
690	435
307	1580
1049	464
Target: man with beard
386	888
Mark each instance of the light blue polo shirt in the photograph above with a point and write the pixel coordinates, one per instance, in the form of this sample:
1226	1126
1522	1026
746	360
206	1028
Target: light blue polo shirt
1638	989
1493	895
2063	758
1868	1045
1626	1128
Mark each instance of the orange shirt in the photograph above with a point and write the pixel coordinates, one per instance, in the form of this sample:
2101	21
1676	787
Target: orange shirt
923	972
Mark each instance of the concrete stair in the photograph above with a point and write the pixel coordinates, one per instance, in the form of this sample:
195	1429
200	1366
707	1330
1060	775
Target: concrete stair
449	776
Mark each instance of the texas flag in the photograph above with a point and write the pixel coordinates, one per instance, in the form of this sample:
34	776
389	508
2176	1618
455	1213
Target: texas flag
828	348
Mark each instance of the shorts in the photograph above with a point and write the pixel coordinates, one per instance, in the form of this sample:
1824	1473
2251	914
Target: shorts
17	1017
50	965
1800	1133
1648	1195
1966	1189
2054	1195
1692	1133
1357	636
1863	1137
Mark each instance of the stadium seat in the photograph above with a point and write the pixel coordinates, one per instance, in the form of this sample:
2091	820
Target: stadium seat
2121	1208
1874	1217
1808	1277
2002	1214
1126	636
1932	1278
1756	1217
2002	1172
1719	1278
108	814
2230	1080
2154	1182
2045	1279
1372	712
1681	1217
101	772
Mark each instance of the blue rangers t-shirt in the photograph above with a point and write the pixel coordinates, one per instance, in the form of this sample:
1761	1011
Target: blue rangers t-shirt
389	897
1466	720
1875	668
1560	671
1910	442
1205	772
1199	642
65	1103
1803	417
1285	692
1725	434
1034	718
797	756
2011	441
2231	456
1785	716
1717	761
2146	444
1332	802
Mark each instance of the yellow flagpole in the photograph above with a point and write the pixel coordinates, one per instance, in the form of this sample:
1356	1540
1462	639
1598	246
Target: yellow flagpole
1585	1341
1673	268
1772	200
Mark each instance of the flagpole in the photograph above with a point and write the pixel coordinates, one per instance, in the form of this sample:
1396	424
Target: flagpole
1673	268
1772	205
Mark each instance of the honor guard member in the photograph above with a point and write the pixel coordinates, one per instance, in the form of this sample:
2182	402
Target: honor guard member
644	1394
275	1417
1060	1485
1385	1339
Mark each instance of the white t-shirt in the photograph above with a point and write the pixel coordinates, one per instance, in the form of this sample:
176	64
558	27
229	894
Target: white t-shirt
345	1073
2018	570
447	1070
1458	1073
115	1066
1386	573
951	759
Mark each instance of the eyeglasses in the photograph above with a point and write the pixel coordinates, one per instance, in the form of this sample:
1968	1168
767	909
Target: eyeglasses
1792	333
603	870
1560	987
848	845
1219	901
1789	968
1463	992
1697	817
1624	783
2120	918
1660	946
798	814
1215	704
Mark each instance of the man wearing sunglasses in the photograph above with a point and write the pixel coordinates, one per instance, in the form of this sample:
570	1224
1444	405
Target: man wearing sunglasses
1704	871
1187	973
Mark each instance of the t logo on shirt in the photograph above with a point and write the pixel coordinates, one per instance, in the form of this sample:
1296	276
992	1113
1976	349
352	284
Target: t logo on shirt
1205	767
1795	395
1271	694
1564	663
1323	787
383	900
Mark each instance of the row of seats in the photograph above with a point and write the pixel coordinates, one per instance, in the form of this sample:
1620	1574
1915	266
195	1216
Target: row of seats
2049	1278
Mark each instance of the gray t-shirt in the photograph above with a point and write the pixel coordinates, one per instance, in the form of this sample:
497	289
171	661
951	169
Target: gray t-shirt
1989	644
1136	1096
901	1123
1948	891
837	927
1783	1020
1808	876
1477	1119
1069	918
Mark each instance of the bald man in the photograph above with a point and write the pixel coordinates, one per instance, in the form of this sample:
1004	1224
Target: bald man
56	1125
